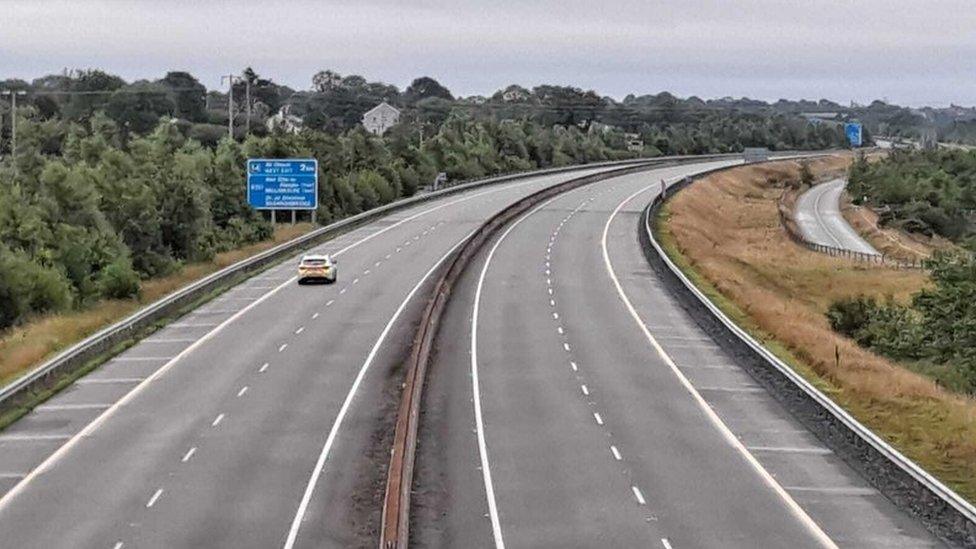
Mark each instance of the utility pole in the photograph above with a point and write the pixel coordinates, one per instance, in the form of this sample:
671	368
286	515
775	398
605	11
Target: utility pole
230	78
247	99
13	118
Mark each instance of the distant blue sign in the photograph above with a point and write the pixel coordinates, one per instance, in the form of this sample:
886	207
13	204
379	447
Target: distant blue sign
853	132
283	184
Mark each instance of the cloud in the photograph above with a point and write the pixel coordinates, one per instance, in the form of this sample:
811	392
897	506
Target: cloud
910	52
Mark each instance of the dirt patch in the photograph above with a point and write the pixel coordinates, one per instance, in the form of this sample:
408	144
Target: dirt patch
891	242
726	230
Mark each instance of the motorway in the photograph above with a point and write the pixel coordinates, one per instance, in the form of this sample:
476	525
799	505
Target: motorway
821	221
574	403
261	419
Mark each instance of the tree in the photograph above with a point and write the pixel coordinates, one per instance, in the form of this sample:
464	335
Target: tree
187	94
425	87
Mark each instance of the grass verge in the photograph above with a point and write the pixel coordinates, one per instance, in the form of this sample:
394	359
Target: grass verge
25	347
724	233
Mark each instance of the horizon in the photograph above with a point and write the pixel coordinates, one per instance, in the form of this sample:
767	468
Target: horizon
910	55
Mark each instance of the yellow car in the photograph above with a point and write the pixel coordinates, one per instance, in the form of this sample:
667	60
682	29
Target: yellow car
317	267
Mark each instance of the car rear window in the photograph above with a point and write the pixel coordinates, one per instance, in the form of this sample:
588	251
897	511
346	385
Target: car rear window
313	262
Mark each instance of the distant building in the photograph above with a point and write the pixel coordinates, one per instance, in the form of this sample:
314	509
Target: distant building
284	121
381	118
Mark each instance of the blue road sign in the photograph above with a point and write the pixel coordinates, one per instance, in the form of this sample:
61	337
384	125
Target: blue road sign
853	132
283	184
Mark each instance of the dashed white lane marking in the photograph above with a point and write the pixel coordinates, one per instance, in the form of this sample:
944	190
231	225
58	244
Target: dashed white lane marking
398	250
387	256
616	453
263	368
107	380
550	291
716	421
189	453
574	366
548	280
300	330
560	330
366	272
217	420
242	391
342	291
314	316
330	302
599	420
355	281
666	543
555	316
586	391
552	303
566	347
118	545
155	497
377	264
344	409
283	347
496	526
638	495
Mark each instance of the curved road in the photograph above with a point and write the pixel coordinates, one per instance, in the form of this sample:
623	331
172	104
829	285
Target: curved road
257	420
821	222
574	403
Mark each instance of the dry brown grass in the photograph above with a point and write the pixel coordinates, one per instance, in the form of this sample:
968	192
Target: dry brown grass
726	230
26	346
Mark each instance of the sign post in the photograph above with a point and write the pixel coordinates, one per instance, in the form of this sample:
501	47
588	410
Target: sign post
854	133
283	184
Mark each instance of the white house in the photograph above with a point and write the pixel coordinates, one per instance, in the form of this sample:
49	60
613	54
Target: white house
284	121
381	118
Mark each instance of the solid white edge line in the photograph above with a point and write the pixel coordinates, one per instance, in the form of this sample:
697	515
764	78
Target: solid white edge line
720	425
496	526
334	431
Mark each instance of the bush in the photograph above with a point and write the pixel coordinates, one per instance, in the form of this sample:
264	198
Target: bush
118	280
26	287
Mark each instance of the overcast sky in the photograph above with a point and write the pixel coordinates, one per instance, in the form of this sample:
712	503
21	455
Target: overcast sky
911	52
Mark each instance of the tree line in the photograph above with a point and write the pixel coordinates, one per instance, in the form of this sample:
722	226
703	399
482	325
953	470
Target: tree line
86	214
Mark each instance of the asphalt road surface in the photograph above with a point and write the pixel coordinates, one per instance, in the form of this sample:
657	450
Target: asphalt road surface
574	403
258	420
821	222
